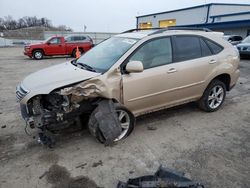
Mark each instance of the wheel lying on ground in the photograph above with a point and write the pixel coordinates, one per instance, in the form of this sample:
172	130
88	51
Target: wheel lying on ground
38	54
213	97
126	119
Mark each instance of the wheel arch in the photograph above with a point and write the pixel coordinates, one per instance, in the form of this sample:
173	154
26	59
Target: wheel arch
225	78
38	49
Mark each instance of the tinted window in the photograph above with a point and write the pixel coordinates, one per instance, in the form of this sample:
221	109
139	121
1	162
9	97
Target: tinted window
82	38
186	48
205	51
154	53
214	47
55	41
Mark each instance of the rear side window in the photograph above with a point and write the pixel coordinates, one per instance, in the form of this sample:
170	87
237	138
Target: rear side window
186	48
205	51
216	48
83	38
79	38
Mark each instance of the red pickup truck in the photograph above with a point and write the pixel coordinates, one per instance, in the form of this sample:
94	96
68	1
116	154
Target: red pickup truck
59	46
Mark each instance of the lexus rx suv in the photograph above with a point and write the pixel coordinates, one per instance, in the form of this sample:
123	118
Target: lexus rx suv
140	71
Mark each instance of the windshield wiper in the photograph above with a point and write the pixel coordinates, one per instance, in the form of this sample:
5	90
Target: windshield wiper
87	67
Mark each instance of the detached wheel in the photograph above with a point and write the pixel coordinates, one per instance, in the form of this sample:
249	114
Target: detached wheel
213	96
38	54
126	119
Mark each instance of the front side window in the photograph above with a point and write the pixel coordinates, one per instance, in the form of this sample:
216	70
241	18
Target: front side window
186	48
55	41
154	53
107	53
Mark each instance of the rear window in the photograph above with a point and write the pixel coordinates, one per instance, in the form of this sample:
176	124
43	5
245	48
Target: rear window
215	48
186	48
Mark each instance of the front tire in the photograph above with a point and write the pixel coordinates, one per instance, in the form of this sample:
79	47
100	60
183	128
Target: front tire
126	119
38	54
213	97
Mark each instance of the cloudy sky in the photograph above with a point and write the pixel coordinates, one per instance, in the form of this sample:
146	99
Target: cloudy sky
97	15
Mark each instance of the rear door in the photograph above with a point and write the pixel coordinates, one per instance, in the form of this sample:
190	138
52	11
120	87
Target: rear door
194	63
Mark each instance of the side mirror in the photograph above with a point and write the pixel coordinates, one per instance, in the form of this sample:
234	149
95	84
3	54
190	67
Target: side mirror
134	66
48	43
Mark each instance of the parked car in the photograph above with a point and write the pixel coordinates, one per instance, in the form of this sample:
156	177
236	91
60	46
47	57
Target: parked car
78	38
59	46
244	47
233	39
139	71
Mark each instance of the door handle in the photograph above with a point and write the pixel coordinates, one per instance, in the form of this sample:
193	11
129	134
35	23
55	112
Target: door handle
172	70
212	61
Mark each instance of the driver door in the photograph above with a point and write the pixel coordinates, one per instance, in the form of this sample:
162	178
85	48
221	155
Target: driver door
146	90
55	47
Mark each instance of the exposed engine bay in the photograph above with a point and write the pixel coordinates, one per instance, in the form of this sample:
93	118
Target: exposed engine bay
54	112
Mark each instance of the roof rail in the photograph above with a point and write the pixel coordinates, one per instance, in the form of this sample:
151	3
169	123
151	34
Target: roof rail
142	29
161	30
190	28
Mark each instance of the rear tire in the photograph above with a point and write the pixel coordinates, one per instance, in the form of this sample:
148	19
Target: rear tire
213	97
38	54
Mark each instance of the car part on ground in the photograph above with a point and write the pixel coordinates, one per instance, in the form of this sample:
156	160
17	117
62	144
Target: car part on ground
163	178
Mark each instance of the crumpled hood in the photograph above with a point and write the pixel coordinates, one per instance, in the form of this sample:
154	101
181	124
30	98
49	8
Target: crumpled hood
48	79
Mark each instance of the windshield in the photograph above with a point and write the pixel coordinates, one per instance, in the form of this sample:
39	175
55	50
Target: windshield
246	40
106	54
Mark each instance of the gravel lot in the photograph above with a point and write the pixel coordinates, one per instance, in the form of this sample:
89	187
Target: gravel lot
213	148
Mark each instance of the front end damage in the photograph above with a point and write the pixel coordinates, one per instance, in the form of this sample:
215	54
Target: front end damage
57	110
53	112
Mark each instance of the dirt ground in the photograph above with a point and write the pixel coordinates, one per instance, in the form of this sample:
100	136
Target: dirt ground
212	148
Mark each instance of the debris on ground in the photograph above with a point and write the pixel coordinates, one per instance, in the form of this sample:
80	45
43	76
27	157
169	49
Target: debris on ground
46	138
104	123
152	128
3	127
99	163
44	174
81	165
163	178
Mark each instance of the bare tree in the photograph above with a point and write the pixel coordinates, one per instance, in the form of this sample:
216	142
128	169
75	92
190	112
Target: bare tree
28	21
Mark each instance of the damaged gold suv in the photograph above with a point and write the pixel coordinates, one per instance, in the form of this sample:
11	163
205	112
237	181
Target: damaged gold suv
130	74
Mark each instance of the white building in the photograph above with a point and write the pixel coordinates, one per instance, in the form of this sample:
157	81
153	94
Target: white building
228	18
